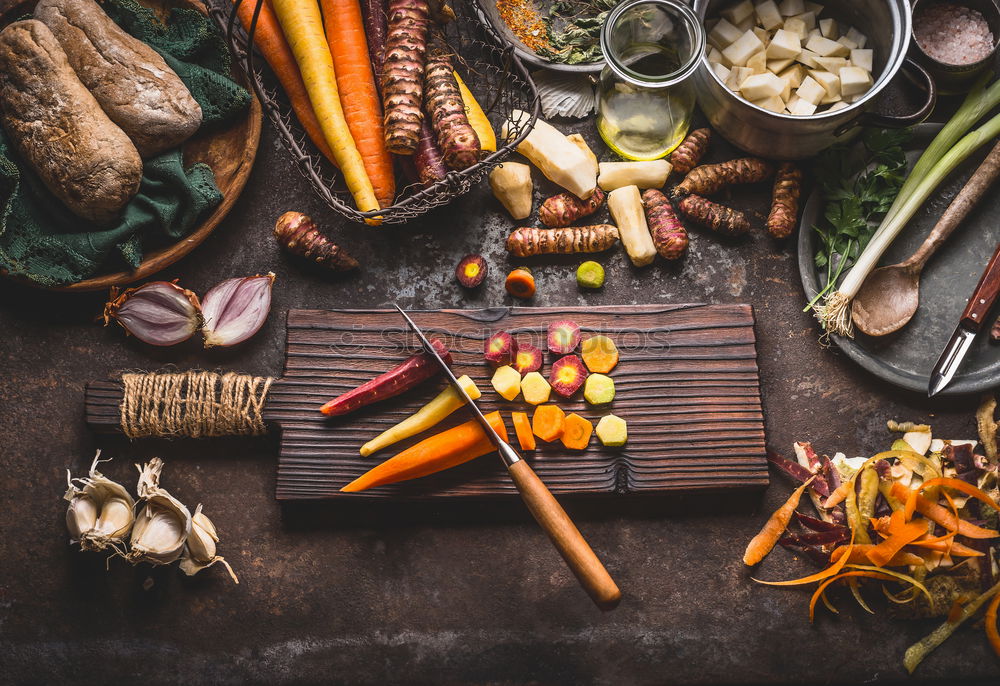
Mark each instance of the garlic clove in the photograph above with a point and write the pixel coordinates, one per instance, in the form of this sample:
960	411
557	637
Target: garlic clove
100	513
200	551
158	313
235	309
164	523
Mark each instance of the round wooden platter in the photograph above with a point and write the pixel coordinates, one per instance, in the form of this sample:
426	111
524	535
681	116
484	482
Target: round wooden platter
230	152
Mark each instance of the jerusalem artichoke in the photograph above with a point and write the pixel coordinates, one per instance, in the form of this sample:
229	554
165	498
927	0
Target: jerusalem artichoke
566	208
580	142
297	233
625	205
511	184
646	174
456	138
689	153
403	74
711	178
714	216
526	242
781	221
669	235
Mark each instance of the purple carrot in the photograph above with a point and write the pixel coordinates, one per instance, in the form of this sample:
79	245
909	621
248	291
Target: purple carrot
830	473
428	158
376	28
799	473
812	552
817	537
816	524
811	458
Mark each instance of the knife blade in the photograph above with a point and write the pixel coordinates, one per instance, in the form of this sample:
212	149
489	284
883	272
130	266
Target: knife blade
968	328
550	515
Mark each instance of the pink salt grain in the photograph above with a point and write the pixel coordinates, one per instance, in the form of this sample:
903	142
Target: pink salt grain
953	34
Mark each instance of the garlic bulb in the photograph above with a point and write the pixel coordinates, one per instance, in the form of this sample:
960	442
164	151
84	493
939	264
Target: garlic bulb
158	313
100	513
235	309
162	526
200	550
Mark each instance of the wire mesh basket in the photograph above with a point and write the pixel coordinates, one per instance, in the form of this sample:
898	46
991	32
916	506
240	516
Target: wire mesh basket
487	64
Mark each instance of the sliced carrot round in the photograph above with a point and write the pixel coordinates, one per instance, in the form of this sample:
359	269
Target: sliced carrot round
522	427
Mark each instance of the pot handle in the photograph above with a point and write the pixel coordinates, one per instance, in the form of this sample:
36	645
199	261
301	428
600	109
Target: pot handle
889	121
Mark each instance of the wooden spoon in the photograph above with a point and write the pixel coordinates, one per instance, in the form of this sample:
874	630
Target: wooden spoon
890	295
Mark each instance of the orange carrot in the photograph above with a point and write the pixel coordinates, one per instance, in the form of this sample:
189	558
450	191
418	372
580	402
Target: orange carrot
271	41
576	432
992	632
548	422
955	485
859	555
951	547
901	533
522	427
818	593
442	451
941	515
345	33
762	543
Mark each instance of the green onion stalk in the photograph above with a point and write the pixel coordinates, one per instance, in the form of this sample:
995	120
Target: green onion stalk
949	149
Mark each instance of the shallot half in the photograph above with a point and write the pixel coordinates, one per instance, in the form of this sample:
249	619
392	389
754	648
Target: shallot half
235	309
158	313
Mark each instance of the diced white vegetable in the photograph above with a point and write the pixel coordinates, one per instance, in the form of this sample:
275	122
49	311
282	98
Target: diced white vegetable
798	27
645	174
814	7
847	42
761	86
811	91
721	70
862	58
737	76
794	74
854	81
743	49
778	66
747	24
784	44
738	12
856	37
774	104
758	63
838	106
768	15
800	107
715	57
814	32
786	91
830	99
832	64
808	18
556	157
763	35
723	35
789	8
808	58
828	27
824	47
625	205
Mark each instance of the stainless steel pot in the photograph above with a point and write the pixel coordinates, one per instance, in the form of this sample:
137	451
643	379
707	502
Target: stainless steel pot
887	23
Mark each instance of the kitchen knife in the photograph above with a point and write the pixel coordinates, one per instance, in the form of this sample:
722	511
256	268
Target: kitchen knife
969	326
547	511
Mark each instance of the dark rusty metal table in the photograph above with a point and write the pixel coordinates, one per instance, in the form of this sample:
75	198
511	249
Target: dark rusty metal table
437	593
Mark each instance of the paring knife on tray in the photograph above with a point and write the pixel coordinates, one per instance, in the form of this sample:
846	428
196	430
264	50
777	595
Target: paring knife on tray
546	509
969	326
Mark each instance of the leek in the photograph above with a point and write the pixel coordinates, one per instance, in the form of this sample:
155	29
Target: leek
835	313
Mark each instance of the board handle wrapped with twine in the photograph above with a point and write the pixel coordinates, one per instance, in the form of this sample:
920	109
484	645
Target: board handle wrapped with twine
195	404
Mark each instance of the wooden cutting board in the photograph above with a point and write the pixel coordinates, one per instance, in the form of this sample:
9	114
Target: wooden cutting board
687	384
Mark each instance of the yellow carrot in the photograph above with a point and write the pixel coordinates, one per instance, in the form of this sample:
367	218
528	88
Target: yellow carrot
303	28
427	416
477	118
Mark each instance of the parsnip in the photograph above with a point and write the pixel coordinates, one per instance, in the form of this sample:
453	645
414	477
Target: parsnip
626	209
651	174
556	156
580	142
511	184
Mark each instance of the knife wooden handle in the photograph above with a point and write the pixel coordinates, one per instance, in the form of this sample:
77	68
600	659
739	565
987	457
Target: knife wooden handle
565	536
985	294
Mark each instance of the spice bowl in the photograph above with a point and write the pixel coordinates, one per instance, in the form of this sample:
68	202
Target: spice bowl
956	78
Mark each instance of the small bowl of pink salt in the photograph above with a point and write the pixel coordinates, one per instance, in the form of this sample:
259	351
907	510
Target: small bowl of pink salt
956	40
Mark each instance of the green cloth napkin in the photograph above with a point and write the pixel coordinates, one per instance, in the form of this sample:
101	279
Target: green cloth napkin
43	241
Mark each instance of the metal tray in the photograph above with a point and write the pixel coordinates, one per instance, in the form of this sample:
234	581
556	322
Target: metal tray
905	358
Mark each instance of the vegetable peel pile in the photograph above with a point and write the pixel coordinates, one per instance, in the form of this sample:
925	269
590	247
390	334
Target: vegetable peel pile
920	520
